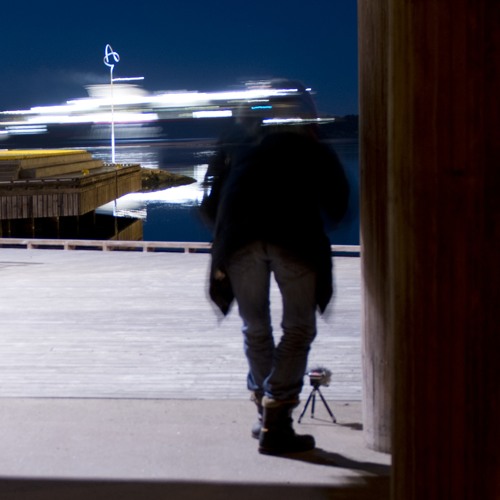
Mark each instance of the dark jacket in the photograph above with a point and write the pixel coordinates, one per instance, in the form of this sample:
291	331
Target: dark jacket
284	188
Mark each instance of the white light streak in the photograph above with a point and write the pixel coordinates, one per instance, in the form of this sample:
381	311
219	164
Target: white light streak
212	114
129	103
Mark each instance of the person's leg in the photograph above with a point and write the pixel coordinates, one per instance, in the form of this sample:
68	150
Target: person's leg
249	273
297	284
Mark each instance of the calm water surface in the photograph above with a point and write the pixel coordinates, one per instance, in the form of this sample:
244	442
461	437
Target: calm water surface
172	214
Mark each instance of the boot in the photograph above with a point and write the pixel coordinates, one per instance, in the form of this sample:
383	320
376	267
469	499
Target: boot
277	436
257	399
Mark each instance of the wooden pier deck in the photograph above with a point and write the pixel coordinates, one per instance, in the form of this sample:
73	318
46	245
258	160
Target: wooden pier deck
90	324
57	183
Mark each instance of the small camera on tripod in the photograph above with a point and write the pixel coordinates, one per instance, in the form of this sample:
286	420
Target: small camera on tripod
319	376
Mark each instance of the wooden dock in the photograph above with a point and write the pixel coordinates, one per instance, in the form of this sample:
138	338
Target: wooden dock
128	324
37	184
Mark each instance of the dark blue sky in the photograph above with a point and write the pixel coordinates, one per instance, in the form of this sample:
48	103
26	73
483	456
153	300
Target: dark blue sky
51	49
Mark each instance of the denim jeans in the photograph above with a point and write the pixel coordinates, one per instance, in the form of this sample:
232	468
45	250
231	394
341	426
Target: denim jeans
276	370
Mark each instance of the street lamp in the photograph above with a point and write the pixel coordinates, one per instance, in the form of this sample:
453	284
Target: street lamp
110	59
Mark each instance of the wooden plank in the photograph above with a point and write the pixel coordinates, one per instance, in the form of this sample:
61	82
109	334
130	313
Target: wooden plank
9	171
146	246
60	170
26	158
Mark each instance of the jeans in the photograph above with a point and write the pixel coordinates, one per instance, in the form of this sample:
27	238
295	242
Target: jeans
275	370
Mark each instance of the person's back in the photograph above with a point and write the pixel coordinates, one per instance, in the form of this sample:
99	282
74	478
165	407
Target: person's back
283	191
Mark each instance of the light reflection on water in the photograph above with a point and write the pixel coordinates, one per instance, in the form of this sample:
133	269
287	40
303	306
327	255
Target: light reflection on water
172	214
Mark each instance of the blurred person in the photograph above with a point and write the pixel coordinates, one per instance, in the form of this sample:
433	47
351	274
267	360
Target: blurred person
273	191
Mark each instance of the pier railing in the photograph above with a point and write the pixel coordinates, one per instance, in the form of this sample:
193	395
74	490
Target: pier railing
137	246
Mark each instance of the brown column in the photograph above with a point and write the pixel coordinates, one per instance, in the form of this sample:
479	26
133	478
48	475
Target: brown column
444	215
377	344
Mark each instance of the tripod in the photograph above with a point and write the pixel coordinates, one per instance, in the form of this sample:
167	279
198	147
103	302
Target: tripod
312	397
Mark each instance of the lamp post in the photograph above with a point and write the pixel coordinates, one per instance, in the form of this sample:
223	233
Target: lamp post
110	59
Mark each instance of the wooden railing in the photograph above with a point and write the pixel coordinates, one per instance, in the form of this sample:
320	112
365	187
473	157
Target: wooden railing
138	246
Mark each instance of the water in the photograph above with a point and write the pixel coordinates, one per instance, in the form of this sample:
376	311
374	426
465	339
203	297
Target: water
172	214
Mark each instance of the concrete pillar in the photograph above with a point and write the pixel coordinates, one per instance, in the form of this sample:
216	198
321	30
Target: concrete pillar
377	336
444	233
430	181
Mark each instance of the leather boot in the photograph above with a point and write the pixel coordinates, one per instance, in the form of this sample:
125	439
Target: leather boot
277	436
257	399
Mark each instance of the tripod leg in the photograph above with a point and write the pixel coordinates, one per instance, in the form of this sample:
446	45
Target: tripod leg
305	407
327	407
313	405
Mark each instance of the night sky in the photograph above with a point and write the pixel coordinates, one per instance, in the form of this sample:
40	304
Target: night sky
51	50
